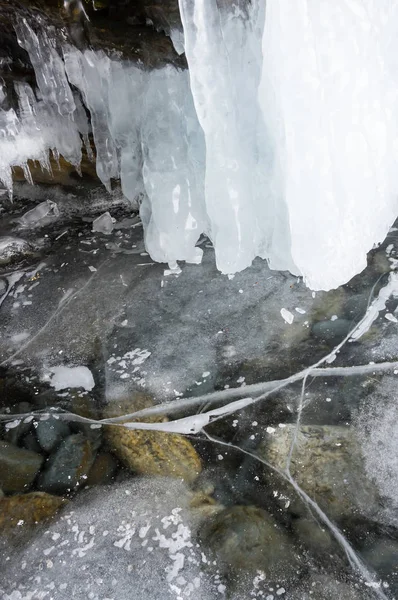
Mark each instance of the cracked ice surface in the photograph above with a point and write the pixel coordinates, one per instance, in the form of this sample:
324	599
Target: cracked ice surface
228	370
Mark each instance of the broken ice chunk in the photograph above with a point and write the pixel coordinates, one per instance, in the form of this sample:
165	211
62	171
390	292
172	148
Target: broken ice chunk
177	37
62	377
287	315
104	224
41	211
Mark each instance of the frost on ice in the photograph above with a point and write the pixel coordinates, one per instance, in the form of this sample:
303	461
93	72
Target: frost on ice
278	142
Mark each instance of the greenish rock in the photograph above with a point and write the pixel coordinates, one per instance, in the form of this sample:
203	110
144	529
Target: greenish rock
51	432
68	467
356	306
247	539
331	331
328	465
18	467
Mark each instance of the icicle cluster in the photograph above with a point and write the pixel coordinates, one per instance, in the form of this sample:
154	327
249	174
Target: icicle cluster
280	141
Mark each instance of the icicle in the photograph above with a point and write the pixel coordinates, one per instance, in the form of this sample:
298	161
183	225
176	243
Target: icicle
49	67
90	73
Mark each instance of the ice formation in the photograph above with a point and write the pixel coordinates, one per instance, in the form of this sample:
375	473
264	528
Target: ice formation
278	142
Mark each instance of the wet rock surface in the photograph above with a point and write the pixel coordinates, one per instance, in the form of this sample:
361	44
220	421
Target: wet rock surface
18	467
50	433
154	452
13	249
103	470
150	452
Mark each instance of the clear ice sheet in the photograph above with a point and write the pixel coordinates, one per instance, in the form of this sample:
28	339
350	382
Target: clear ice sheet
228	370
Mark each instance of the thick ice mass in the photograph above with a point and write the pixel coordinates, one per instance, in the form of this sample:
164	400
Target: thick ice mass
279	142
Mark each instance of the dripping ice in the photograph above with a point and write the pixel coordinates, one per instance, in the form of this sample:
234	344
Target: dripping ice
279	141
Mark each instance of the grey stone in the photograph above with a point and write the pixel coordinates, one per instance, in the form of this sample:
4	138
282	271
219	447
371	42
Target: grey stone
68	467
18	467
331	331
51	432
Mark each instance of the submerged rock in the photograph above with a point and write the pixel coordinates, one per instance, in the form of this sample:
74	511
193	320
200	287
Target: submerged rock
50	433
246	538
327	464
68	467
13	249
154	452
331	331
103	469
151	452
18	467
27	509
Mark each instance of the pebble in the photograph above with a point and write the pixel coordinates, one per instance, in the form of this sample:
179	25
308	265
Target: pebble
50	433
68	467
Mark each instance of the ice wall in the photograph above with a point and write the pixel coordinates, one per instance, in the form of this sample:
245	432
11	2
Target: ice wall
329	96
317	188
280	142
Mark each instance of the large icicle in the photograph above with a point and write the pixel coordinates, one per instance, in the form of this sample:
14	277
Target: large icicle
329	96
223	49
174	213
318	187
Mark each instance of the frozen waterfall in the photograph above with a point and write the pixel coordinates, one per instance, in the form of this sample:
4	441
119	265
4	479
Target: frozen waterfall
281	141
